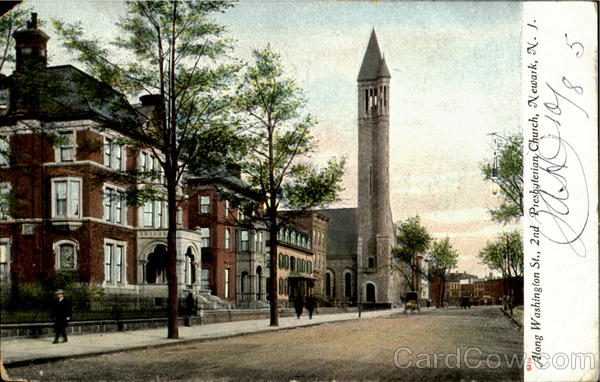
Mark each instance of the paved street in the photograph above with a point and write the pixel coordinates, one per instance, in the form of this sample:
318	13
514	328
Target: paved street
396	347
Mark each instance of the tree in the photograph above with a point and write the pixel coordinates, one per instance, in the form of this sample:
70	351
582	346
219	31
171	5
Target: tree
505	170
9	23
413	239
505	253
278	138
443	258
173	51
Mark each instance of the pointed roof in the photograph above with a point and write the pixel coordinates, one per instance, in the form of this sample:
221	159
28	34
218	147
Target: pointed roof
373	64
383	69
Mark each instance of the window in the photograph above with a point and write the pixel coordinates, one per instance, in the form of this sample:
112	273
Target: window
260	240
205	237
4	256
228	238
66	255
292	263
66	195
204	204
5	197
152	211
113	262
66	146
113	154
347	285
190	267
4	151
4	100
227	208
114	206
226	283
205	279
371	262
244	240
256	241
179	215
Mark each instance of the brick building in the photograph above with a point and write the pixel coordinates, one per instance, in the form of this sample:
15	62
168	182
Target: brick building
64	211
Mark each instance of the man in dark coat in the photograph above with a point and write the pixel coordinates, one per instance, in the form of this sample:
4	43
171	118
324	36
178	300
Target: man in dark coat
61	311
298	305
310	306
190	308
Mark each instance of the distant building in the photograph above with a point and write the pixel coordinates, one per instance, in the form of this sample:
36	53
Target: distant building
295	264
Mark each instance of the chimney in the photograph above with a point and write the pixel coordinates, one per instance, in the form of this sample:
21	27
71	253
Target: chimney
30	46
151	100
235	170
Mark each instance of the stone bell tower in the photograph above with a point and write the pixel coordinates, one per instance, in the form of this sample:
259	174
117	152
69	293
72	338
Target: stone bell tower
377	280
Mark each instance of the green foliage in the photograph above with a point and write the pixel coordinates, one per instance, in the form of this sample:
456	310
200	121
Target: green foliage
9	23
506	172
504	253
443	256
412	239
278	137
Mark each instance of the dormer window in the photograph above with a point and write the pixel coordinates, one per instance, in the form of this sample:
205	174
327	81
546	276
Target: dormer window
66	147
113	154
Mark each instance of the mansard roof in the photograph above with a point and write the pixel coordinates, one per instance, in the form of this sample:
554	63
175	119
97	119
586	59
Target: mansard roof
373	64
67	93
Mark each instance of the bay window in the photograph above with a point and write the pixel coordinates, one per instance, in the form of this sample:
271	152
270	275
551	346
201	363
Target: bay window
66	195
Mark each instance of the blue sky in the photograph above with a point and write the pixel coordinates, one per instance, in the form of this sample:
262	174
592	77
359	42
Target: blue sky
455	78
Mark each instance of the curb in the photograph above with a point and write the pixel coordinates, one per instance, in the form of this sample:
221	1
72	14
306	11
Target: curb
174	342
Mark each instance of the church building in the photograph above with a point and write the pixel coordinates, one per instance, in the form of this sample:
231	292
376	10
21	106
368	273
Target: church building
365	271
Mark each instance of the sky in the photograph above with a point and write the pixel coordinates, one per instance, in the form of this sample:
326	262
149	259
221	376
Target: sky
455	78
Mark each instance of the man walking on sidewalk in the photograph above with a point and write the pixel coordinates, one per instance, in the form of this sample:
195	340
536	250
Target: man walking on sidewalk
61	311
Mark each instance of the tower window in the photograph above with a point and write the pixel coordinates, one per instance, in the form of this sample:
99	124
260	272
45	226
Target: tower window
366	100
385	96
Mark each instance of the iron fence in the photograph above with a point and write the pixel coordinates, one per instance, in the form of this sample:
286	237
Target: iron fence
104	308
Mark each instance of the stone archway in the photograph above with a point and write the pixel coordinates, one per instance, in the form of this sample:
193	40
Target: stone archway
156	266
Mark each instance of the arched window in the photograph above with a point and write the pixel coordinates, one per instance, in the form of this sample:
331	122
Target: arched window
66	255
370	292
190	267
328	285
156	266
259	289
348	284
292	263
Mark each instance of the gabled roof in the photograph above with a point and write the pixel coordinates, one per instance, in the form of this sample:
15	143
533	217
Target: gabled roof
342	236
373	64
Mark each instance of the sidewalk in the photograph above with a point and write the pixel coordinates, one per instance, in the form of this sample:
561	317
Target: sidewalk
19	351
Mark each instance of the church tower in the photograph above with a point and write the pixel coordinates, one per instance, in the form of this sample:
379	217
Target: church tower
378	280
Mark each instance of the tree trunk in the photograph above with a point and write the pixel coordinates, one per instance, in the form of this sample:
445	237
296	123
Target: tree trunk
273	242
171	174
173	327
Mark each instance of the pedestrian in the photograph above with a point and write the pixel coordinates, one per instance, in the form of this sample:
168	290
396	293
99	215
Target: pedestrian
299	305
61	312
310	306
190	308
